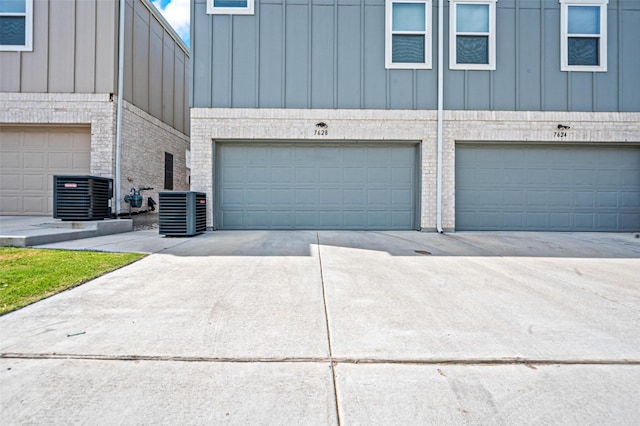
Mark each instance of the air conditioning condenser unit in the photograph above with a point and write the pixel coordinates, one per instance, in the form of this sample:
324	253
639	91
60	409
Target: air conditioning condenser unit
82	197
182	213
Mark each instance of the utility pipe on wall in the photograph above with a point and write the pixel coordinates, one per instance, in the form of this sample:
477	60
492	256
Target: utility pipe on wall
121	24
440	108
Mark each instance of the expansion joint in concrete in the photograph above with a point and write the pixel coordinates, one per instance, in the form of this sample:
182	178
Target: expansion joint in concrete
328	325
334	361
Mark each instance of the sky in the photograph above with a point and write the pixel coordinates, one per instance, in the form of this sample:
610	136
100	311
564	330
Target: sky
177	13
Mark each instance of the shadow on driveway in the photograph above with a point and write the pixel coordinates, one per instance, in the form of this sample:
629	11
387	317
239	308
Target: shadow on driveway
410	243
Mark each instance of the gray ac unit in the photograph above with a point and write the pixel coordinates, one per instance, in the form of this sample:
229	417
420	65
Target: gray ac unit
82	197
182	213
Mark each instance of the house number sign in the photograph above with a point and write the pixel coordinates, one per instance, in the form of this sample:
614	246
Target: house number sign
561	132
322	129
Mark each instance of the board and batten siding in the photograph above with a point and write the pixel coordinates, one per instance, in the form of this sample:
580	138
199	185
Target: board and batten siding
156	67
330	54
75	50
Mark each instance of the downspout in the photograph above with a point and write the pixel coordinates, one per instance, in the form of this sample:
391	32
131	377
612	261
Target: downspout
440	108
121	26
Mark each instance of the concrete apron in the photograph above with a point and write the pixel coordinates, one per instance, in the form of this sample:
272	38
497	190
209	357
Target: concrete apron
364	328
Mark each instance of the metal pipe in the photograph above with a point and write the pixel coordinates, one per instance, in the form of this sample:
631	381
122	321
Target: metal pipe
440	118
121	28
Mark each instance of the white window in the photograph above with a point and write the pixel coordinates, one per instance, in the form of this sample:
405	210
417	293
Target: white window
16	25
472	35
583	35
408	34
230	7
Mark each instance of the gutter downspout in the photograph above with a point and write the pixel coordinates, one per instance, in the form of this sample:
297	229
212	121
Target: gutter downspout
440	109
119	106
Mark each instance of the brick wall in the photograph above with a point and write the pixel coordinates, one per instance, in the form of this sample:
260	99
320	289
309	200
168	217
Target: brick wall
595	129
96	110
208	125
145	139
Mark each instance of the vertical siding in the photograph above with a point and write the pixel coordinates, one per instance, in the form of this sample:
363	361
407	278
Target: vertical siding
10	80
400	89
219	69
427	82
349	56
373	72
168	82
85	46
270	57
478	90
106	42
528	58
141	55
243	92
201	48
581	91
629	38
605	81
62	47
330	54
555	93
504	77
35	64
179	90
156	68
75	50
128	65
322	65
294	82
184	109
156	45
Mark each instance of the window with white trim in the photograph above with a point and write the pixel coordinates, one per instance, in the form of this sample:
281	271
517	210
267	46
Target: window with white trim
472	34
408	34
230	7
583	35
16	25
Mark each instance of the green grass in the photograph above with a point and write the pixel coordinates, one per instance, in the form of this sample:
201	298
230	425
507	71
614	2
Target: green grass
29	275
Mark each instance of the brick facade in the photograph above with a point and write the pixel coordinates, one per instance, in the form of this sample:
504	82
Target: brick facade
209	125
144	138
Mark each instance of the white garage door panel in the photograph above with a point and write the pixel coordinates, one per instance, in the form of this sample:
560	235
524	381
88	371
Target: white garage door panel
293	186
575	188
30	157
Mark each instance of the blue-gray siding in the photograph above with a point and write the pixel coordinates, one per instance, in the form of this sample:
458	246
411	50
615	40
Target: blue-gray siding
330	54
547	188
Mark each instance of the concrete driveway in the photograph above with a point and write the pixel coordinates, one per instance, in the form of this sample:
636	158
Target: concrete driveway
336	327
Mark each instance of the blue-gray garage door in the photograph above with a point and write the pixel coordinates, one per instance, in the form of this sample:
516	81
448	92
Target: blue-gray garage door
351	185
547	188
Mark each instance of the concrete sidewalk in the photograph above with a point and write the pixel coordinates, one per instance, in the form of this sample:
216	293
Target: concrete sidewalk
336	328
27	231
